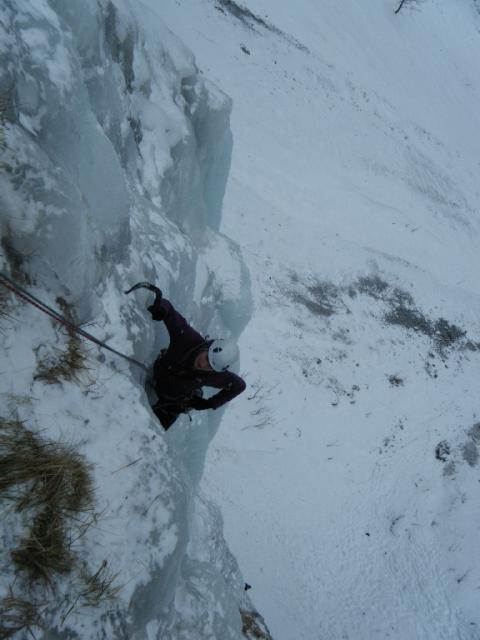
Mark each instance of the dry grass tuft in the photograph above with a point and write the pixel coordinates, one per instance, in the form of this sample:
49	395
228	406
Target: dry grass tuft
17	615
99	587
15	259
253	626
18	399
6	104
3	301
45	550
51	481
67	365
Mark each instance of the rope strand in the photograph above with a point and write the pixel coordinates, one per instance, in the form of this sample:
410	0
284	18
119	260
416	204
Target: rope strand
31	299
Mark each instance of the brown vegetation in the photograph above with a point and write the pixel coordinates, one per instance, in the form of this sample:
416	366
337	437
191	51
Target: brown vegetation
17	615
49	482
253	626
65	365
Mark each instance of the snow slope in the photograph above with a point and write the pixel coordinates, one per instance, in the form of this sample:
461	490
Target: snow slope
348	473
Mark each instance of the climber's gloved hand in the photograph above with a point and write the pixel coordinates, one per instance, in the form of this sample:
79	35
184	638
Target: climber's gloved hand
157	311
200	404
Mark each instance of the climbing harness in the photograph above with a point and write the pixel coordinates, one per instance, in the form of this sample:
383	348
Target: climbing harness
31	299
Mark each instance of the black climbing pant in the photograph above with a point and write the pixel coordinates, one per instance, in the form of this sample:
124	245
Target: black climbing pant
166	415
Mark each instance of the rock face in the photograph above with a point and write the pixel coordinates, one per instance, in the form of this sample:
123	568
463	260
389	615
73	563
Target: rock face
115	153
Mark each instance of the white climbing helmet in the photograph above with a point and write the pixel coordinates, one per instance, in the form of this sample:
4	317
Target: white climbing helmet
222	354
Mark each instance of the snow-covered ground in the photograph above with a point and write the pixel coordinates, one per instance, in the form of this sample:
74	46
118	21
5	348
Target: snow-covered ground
354	196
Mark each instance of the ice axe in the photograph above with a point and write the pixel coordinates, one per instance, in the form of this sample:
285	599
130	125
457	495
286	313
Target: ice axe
153	289
149	286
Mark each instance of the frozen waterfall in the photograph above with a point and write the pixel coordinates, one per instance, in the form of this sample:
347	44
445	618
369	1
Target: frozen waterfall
114	162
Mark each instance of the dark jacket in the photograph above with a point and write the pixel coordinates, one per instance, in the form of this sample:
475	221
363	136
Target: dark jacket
175	378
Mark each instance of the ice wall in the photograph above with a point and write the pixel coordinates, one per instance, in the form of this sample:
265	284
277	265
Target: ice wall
117	154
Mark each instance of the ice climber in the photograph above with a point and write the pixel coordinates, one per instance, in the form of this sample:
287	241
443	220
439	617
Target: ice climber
188	364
